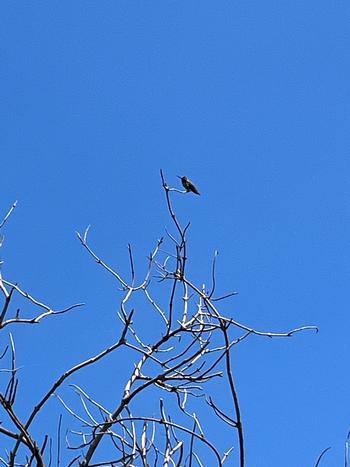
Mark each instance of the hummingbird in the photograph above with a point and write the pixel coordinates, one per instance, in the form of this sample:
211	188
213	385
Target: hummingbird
188	185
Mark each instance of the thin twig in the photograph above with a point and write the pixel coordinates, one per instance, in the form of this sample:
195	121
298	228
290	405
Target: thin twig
346	462
8	215
320	456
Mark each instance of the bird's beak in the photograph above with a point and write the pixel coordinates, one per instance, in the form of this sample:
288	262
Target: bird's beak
178	176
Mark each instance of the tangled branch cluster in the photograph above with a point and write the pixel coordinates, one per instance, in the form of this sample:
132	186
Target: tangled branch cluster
193	349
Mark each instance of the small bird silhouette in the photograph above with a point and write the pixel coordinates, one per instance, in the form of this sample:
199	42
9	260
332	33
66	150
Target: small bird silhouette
188	185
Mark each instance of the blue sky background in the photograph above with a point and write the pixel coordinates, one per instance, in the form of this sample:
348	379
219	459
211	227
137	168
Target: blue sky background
251	100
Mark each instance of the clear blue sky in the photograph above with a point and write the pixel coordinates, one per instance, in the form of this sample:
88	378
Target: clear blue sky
251	100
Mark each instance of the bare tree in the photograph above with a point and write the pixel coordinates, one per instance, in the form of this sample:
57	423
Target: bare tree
178	370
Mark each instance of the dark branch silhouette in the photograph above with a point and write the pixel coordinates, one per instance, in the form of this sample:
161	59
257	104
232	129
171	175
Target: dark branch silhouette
177	370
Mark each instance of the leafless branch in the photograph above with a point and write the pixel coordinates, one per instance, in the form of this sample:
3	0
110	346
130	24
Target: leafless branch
347	441
17	320
320	456
5	219
193	347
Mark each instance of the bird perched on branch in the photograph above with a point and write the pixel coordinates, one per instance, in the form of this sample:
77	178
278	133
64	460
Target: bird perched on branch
188	185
